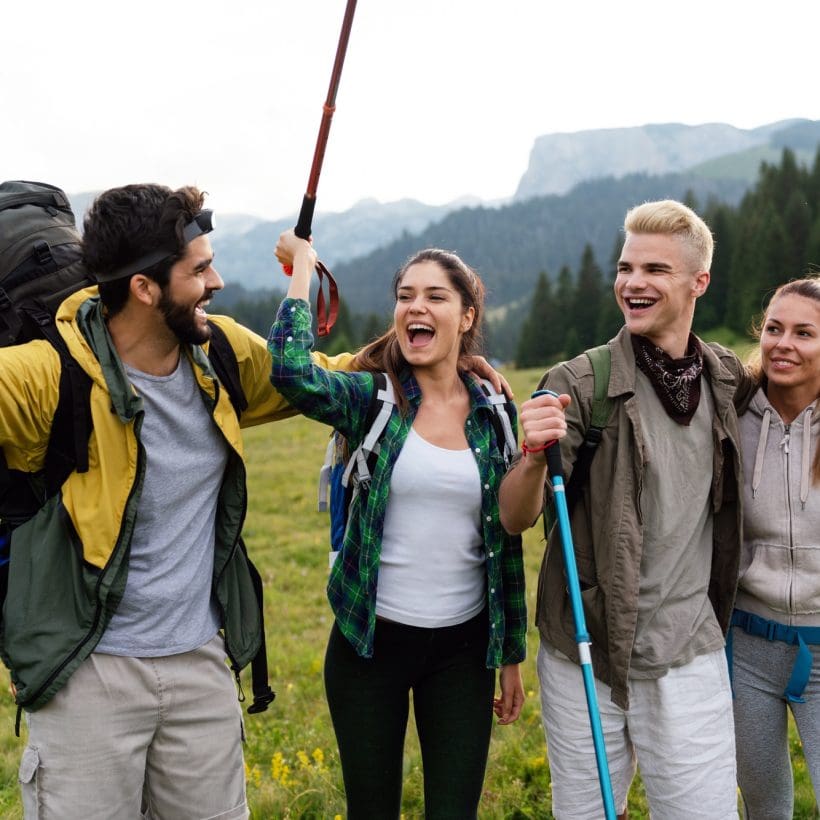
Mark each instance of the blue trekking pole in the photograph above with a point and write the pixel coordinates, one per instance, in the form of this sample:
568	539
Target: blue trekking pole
556	472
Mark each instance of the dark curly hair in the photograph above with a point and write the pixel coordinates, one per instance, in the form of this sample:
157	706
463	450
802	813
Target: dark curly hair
124	224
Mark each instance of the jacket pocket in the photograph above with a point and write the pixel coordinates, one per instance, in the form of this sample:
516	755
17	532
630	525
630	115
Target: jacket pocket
806	583
768	576
594	603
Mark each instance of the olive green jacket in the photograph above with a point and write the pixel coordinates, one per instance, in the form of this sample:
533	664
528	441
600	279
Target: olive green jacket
606	522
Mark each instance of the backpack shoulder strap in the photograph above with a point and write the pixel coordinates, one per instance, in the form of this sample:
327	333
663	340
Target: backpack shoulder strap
505	436
71	426
601	359
381	407
223	360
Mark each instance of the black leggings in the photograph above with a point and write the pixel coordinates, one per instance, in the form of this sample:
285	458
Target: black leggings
452	700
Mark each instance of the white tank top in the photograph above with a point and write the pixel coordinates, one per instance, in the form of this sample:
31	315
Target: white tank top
431	572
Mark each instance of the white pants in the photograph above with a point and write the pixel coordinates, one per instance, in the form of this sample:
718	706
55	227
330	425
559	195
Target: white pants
678	729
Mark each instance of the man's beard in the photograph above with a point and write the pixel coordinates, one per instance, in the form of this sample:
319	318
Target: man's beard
181	320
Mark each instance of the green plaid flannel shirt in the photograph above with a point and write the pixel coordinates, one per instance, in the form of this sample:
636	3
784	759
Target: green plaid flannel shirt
342	400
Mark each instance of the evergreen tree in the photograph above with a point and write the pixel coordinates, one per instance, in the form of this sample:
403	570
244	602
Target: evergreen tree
572	344
256	314
813	186
564	303
371	327
539	339
813	248
588	300
610	318
797	224
755	266
713	305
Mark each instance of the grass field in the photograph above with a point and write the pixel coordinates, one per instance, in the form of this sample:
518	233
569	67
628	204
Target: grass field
292	766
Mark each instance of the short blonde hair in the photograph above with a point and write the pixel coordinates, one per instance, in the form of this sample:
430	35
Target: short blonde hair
667	216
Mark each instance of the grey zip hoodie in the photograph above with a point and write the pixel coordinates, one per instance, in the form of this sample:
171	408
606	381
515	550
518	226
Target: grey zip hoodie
780	559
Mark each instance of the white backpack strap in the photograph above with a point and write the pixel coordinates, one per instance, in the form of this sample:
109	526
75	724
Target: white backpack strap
386	396
499	403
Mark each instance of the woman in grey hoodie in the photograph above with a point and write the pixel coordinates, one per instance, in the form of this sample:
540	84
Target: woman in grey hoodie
775	639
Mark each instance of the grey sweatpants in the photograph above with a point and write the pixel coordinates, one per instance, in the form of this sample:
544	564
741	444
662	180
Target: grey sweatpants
761	670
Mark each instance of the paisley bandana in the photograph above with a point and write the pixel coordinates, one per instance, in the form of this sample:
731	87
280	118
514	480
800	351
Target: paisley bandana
676	381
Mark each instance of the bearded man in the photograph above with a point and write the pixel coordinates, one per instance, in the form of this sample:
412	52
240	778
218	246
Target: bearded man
131	587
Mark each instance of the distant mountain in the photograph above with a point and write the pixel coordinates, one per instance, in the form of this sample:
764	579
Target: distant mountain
560	161
247	258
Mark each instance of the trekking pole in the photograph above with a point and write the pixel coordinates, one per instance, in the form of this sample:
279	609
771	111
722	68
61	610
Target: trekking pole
556	472
304	224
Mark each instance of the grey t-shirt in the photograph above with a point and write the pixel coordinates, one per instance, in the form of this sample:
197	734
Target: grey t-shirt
676	620
167	607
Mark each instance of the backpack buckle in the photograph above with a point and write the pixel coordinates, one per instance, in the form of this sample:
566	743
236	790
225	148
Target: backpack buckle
42	253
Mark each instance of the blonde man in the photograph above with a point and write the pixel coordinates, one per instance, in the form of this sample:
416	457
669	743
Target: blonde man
657	540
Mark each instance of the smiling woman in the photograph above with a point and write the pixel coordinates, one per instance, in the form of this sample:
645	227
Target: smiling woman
777	615
428	589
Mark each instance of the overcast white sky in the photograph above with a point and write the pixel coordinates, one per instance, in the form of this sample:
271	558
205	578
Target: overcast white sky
438	98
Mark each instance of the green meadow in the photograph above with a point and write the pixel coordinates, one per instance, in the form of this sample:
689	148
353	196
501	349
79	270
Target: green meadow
291	762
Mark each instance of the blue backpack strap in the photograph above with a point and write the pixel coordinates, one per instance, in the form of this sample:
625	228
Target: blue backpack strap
342	474
799	636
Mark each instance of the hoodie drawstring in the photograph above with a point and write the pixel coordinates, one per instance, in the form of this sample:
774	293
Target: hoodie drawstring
761	450
805	470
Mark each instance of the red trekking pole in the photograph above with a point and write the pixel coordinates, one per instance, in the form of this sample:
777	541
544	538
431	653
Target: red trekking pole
325	318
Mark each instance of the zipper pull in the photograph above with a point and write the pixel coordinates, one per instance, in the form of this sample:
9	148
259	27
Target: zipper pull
785	443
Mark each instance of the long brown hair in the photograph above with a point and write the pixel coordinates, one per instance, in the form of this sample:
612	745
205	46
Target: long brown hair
808	288
384	353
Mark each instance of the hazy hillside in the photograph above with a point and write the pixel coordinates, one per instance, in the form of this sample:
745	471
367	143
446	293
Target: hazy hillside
248	259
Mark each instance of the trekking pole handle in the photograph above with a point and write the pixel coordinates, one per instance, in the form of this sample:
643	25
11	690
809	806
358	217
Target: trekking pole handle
304	225
553	453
